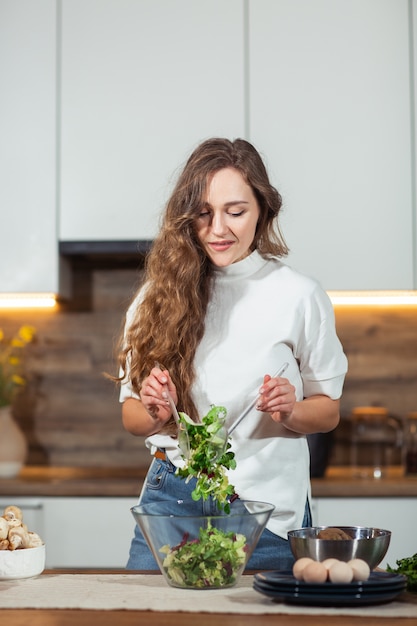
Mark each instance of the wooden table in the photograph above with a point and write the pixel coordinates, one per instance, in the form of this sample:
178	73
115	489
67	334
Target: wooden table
81	617
39	617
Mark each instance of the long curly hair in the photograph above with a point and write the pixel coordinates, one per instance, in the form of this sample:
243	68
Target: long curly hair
169	323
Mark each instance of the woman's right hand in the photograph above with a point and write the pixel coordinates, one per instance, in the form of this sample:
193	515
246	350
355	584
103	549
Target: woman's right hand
149	415
153	394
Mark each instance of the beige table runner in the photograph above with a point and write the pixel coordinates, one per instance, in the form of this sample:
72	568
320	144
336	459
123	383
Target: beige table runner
147	592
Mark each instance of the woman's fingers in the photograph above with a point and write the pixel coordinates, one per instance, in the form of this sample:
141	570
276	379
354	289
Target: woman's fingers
154	390
276	395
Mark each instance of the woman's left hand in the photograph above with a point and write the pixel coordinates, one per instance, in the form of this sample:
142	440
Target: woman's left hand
276	397
317	413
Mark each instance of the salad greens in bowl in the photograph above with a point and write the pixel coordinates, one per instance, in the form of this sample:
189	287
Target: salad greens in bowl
202	551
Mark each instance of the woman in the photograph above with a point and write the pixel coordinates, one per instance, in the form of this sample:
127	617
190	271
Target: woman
222	313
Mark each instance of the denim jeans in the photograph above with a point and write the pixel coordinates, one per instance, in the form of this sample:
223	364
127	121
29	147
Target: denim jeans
161	484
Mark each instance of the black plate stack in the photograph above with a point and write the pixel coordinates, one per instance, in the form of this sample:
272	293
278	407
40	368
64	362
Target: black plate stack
281	586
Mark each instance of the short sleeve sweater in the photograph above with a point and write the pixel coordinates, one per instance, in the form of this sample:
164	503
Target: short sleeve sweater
263	313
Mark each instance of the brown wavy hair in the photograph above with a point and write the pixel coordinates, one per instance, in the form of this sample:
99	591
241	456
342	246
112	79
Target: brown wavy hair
169	323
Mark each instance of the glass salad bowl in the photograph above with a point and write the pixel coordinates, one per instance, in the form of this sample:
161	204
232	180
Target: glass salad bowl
202	551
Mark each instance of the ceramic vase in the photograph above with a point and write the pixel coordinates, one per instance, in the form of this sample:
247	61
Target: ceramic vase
13	444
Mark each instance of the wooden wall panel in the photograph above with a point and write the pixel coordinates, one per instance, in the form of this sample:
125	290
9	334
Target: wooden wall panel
71	416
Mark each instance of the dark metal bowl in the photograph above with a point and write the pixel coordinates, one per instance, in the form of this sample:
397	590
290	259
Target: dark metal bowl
369	544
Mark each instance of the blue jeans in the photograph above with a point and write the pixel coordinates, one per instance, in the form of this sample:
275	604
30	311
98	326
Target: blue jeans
271	553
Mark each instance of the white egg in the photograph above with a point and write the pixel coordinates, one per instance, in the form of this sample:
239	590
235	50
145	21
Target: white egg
315	572
329	562
340	572
299	566
360	568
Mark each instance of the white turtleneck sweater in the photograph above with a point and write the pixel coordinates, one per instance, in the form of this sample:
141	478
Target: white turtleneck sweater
262	314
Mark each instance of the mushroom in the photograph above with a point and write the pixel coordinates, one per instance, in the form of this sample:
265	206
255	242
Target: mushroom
14	534
18	538
4	528
13	515
34	540
4	544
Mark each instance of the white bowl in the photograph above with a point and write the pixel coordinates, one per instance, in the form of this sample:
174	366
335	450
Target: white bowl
23	563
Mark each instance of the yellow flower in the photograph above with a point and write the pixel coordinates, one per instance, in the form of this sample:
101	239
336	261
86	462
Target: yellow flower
18	380
12	364
27	333
17	343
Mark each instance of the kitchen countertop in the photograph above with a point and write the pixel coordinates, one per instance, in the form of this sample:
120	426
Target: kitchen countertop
74	481
50	582
341	482
126	482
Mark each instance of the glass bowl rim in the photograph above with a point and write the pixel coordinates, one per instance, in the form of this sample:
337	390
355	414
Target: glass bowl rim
267	508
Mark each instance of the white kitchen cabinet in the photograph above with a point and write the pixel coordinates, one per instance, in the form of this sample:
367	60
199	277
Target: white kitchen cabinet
103	101
398	515
29	260
142	83
88	532
330	108
96	531
80	531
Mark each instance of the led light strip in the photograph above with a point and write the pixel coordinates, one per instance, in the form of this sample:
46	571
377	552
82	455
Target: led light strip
381	298
347	298
27	301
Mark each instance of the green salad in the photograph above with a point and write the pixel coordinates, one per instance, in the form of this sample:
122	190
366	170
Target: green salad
210	457
407	567
215	559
